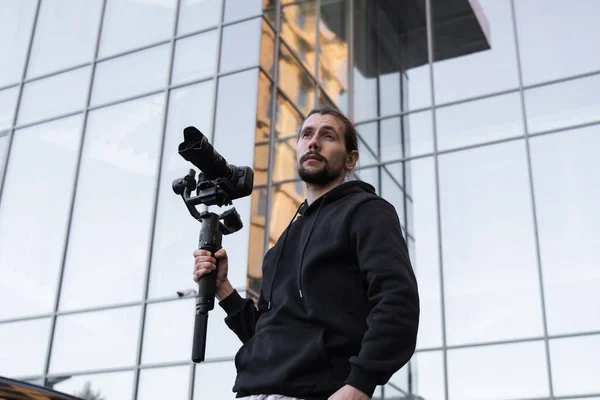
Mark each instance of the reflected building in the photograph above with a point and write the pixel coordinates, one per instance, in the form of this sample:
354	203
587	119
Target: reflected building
472	124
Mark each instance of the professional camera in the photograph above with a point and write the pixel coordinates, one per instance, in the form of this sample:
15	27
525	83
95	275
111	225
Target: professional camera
218	184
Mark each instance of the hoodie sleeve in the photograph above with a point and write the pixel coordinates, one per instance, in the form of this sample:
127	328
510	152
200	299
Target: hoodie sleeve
242	314
390	339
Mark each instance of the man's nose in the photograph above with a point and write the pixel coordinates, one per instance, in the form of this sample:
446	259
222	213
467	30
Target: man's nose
314	143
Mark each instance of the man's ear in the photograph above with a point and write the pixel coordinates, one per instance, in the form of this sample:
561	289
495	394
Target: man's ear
351	160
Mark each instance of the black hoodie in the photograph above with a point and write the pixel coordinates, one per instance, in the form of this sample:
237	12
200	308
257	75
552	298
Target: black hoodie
338	305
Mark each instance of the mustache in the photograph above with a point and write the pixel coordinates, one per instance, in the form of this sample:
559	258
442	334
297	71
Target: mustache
312	154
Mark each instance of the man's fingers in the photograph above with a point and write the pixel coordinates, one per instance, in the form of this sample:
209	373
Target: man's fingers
200	252
208	259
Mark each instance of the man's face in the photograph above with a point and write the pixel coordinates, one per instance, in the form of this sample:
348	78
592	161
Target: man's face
321	150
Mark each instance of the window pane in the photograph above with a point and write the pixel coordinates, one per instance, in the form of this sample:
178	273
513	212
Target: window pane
214	380
195	57
538	45
65	35
3	153
366	154
479	121
176	232
257	237
391	139
8	102
428	373
168	331
195	15
164	383
490	267
295	82
285	200
110	386
389	94
237	9
114	204
473	373
565	165
392	192
131	24
40	99
131	75
234	139
236	56
425	257
30	225
418	133
285	166
480	72
417	88
579	105
267	48
365	96
368	133
16	22
298	29
95	340
24	347
575	365
288	120
371	176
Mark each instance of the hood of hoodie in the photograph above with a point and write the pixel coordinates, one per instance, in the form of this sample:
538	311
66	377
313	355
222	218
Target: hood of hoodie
305	210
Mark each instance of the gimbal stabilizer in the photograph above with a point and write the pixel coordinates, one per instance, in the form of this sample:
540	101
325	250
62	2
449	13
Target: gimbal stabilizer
218	184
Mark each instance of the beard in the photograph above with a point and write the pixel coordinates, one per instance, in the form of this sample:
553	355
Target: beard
321	176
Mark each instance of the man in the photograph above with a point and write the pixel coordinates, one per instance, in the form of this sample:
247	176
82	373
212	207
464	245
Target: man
339	308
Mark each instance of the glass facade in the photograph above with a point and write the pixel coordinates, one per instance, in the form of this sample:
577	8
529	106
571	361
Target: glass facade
485	145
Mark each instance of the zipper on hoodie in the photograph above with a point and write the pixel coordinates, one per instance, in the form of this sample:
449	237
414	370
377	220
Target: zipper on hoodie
306	244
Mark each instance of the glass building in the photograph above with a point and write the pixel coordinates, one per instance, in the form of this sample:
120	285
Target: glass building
477	121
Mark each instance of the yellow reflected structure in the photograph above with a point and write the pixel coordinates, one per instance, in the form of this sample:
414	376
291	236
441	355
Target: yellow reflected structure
299	69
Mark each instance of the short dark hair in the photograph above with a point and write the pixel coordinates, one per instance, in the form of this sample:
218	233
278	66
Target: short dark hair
350	133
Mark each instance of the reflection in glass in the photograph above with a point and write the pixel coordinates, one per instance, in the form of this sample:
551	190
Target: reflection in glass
479	121
575	365
195	57
264	114
538	45
428	375
366	155
238	9
110	386
299	31
257	237
490	266
65	35
473	373
285	200
235	131
16	22
214	380
24	347
57	95
8	103
288	119
392	192
424	257
130	75
365	96
168	329
333	52
95	340
580	104
284	162
131	24
235	56
164	383
324	101
176	232
267	48
295	82
368	134
196	15
389	94
480	72
565	173
112	215
34	214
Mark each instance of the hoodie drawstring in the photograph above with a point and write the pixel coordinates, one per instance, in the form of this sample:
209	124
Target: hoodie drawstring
279	255
304	247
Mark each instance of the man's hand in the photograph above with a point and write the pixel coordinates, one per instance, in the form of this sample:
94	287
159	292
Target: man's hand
348	392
